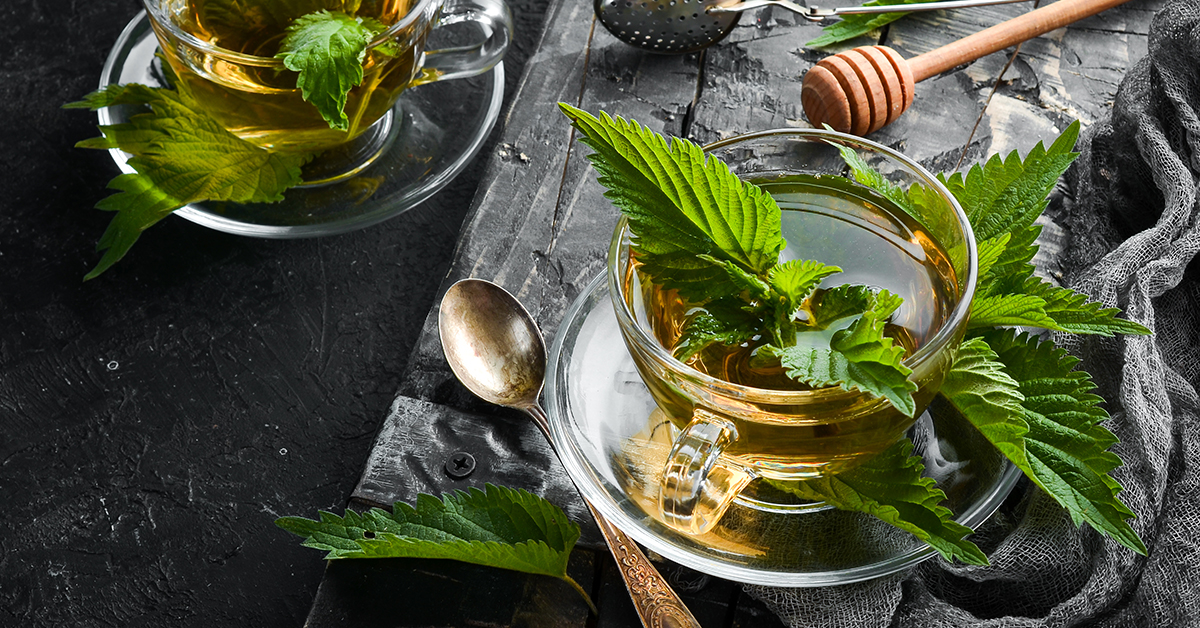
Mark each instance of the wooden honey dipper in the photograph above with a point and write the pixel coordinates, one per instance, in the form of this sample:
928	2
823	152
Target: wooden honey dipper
861	90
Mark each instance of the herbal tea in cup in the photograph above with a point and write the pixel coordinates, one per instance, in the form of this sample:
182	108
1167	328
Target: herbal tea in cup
738	397
233	59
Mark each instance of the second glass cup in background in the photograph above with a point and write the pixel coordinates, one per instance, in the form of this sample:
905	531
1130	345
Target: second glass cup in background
729	434
225	60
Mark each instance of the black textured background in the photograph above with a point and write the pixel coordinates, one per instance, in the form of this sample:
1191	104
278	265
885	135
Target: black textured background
154	422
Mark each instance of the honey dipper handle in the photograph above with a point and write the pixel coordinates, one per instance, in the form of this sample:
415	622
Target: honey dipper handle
1005	34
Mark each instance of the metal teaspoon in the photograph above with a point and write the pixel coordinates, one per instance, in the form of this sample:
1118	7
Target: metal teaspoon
496	350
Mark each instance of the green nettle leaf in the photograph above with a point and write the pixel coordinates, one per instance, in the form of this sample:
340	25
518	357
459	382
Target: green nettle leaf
181	156
989	253
852	26
496	527
696	278
1073	312
1014	265
890	486
676	198
732	327
1064	450
1004	196
837	303
870	177
327	48
1009	309
859	357
741	280
978	386
797	279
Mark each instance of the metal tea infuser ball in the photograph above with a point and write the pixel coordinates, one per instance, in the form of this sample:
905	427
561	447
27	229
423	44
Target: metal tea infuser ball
680	26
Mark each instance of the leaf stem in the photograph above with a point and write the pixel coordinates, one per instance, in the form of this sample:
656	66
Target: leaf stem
586	598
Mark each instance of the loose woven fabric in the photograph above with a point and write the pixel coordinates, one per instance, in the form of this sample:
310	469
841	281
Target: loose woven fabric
1132	233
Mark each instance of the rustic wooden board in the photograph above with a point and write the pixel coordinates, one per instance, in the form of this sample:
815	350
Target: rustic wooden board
752	78
540	227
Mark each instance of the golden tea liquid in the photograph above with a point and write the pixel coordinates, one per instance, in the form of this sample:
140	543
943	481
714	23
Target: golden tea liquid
838	222
260	103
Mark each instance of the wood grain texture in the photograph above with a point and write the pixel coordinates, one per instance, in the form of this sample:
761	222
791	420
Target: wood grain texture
1005	34
1067	74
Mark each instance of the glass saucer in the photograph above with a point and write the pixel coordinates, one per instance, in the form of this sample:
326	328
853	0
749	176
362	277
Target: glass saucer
437	127
613	442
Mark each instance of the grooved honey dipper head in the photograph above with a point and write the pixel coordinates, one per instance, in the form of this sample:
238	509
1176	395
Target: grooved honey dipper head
858	91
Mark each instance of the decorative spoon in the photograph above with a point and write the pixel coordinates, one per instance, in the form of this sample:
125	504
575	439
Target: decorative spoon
496	350
689	25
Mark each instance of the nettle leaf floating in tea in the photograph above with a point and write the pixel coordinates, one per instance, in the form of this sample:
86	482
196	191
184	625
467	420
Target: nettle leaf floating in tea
716	239
859	357
496	527
181	156
327	48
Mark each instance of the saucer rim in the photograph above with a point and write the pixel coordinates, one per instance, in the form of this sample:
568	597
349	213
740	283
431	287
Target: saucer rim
590	487
139	27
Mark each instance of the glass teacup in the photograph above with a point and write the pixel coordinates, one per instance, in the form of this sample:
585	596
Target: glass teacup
728	434
225	58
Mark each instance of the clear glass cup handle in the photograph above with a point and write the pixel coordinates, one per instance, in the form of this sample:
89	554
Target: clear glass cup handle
699	484
496	21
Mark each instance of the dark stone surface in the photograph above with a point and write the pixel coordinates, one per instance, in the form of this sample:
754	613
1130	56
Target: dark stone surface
154	422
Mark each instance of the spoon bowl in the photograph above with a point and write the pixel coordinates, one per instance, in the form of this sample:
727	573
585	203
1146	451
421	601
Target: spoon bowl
496	350
492	344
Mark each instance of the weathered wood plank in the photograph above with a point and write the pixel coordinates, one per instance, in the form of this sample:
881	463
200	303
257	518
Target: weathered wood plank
653	89
1066	74
752	78
519	191
419	439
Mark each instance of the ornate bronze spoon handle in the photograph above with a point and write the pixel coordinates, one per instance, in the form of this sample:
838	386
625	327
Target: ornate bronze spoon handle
657	604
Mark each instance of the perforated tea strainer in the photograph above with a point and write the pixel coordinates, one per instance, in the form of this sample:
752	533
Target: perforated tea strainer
689	25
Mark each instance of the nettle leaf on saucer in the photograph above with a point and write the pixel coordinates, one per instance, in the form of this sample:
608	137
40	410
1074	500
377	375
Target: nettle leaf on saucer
978	386
327	49
678	199
890	486
496	527
1065	448
182	156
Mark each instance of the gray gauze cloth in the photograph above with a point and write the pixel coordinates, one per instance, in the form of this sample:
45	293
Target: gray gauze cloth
1132	238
